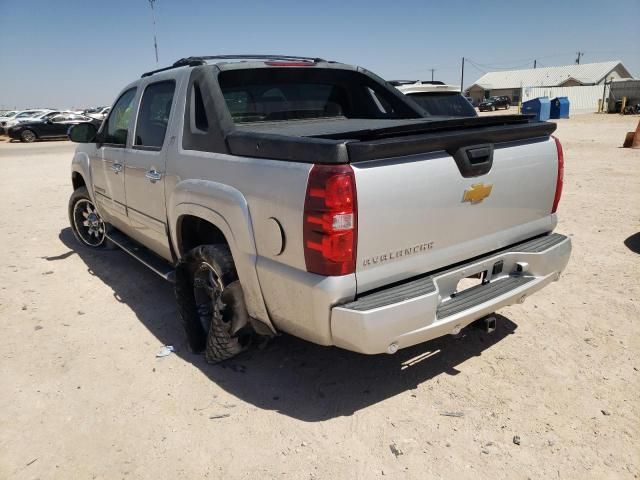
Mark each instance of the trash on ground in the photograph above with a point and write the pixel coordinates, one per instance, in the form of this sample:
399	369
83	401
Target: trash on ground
395	450
452	414
223	415
164	351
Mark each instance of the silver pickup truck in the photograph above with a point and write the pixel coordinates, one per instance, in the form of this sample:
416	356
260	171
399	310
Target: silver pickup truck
291	194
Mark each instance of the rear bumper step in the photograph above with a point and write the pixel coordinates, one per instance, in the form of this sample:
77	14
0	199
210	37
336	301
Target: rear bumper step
428	307
479	295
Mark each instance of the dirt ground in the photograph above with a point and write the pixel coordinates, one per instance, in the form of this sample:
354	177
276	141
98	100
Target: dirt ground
84	397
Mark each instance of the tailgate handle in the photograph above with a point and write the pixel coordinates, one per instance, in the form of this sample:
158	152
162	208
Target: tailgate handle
474	160
479	155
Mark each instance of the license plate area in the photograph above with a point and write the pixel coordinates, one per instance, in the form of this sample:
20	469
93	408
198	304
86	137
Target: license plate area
471	281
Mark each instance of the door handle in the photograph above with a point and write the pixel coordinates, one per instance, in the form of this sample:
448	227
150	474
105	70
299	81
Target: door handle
116	167
153	175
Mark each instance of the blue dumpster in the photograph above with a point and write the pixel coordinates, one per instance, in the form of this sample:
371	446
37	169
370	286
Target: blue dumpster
540	107
560	107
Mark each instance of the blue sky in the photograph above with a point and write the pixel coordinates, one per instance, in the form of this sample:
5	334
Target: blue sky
77	53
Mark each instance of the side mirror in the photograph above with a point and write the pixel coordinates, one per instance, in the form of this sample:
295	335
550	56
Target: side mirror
83	133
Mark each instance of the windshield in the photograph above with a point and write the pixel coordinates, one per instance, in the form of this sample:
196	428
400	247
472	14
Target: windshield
444	103
10	114
44	114
29	113
276	94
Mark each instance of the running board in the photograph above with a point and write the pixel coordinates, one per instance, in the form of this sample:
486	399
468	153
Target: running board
142	254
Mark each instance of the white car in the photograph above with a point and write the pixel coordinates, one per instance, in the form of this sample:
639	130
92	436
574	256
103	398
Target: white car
99	113
7	116
24	115
436	98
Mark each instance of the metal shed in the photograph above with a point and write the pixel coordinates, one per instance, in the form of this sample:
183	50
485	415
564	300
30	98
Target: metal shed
626	88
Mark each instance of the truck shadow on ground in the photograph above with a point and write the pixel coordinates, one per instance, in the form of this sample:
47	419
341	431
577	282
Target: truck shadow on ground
291	376
633	242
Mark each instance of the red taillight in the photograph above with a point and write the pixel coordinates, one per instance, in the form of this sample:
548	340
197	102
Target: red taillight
330	220
560	179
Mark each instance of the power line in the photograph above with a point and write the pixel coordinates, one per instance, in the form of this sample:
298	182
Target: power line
438	68
475	65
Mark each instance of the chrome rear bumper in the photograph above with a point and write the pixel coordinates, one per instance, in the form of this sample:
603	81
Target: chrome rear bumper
429	307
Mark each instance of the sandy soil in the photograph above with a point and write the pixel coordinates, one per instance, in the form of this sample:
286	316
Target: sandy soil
84	397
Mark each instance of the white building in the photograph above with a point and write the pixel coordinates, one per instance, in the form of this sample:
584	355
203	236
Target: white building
511	83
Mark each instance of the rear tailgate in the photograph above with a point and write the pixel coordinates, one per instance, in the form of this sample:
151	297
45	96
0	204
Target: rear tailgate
424	211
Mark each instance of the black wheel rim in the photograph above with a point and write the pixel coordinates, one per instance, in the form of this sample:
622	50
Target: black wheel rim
88	223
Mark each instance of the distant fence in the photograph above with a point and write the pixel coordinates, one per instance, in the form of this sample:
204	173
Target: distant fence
582	99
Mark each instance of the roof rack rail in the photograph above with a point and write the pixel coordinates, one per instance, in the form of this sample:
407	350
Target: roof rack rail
196	61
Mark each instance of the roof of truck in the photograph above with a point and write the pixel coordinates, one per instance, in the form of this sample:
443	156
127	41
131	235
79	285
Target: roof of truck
233	62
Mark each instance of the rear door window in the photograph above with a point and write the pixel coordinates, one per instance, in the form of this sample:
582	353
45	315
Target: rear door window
153	118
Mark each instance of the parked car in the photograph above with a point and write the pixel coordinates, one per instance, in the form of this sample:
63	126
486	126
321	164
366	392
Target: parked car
5	117
56	126
495	103
22	116
436	98
41	115
6	122
289	194
9	114
99	113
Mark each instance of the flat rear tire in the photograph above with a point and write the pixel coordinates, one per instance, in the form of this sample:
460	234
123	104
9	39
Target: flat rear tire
211	303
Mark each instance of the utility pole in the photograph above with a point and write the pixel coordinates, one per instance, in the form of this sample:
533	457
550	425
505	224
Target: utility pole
580	54
535	63
432	70
462	78
153	17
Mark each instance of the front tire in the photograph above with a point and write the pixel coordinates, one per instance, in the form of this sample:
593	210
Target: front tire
211	303
28	136
86	223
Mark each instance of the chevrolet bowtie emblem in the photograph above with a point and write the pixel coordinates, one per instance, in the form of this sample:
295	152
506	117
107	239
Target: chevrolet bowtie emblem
477	193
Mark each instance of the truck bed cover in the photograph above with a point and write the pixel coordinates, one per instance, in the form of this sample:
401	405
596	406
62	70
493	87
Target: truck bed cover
342	140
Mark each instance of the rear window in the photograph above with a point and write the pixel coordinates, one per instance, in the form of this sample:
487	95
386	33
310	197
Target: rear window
276	94
444	103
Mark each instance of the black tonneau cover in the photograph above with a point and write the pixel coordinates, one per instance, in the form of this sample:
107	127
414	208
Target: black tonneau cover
342	140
